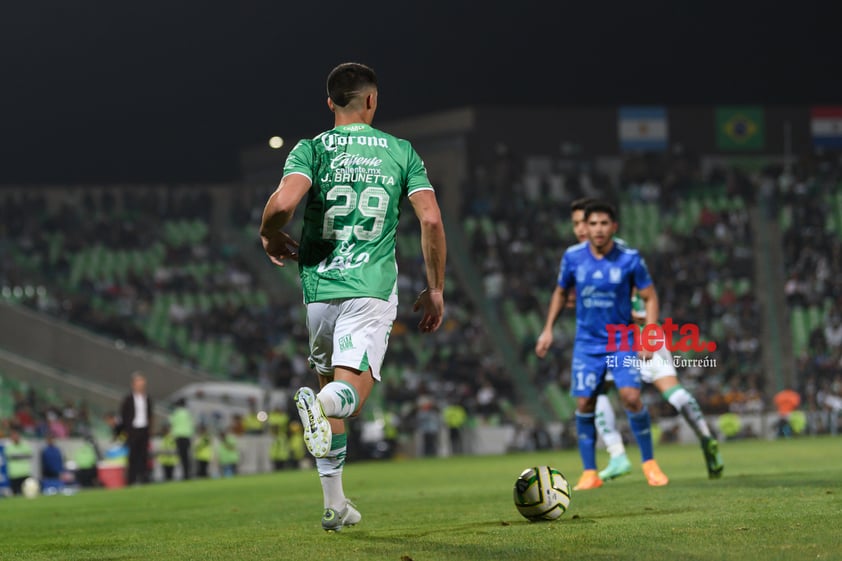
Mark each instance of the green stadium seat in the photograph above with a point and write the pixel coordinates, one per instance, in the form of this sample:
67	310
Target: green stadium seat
487	226
506	408
561	404
815	317
181	338
56	243
800	329
261	298
203	302
469	226
743	286
717	330
514	320
715	288
785	218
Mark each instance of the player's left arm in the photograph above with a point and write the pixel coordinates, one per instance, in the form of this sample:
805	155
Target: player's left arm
434	251
278	212
422	197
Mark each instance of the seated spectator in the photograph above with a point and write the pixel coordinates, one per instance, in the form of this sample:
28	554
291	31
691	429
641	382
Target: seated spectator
52	460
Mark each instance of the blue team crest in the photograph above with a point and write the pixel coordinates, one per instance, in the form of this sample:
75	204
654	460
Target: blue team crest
615	275
581	274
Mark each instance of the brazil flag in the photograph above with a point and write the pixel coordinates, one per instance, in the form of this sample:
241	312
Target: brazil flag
740	128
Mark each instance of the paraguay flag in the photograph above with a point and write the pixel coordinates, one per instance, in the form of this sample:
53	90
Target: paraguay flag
826	126
643	128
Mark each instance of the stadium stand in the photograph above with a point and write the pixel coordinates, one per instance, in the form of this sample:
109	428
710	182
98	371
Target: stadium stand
158	277
694	232
37	412
151	267
807	200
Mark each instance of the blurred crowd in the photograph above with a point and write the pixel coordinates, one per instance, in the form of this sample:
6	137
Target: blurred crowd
516	223
149	260
37	416
701	259
808	199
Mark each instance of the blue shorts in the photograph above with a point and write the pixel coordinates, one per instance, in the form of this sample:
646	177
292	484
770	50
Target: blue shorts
589	369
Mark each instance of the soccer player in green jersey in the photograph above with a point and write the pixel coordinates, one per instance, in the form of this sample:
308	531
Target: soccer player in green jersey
660	372
354	177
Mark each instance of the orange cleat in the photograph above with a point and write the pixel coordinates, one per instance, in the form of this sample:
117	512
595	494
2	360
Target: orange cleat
589	480
654	475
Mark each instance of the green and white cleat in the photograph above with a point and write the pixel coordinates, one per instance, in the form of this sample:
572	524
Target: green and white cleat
333	521
713	458
317	433
618	466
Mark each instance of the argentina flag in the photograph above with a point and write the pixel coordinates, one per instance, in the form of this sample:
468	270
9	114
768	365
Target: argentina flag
643	128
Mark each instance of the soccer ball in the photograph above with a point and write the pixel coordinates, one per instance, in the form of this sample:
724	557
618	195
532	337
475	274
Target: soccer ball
541	493
30	488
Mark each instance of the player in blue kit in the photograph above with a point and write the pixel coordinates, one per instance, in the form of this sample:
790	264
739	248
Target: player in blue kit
659	372
603	275
618	463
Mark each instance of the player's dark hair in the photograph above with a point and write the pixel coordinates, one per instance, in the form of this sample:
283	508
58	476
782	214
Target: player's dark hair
348	80
603	207
580	204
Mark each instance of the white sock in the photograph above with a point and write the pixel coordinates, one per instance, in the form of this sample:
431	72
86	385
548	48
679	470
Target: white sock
606	426
339	399
686	404
330	473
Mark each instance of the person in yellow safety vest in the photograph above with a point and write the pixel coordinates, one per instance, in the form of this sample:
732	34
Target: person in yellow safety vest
391	433
85	457
278	418
203	452
167	454
455	417
228	454
279	451
251	422
296	442
183	431
18	461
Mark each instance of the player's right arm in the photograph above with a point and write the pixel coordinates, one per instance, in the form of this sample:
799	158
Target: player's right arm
281	205
434	250
278	212
545	340
558	300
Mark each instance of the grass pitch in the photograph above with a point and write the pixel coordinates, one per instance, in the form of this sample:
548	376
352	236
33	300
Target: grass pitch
779	500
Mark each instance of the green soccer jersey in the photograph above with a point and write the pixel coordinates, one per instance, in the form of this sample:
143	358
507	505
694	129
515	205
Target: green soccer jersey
359	177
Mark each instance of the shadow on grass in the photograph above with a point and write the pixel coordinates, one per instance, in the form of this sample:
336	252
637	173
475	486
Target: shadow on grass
486	542
473	528
799	479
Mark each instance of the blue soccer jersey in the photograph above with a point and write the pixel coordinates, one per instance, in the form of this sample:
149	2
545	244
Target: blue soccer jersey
603	297
603	290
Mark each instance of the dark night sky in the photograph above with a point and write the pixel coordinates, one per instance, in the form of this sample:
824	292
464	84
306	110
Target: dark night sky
170	91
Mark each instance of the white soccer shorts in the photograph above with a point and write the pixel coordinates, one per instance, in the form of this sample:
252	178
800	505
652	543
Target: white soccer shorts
350	332
659	366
